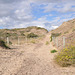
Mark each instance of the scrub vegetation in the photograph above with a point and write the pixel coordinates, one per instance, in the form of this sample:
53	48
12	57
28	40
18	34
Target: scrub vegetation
66	57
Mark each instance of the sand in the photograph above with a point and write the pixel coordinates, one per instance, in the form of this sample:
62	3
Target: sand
31	59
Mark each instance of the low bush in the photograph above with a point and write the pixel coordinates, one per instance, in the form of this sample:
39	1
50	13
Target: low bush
53	51
10	42
7	34
32	35
55	34
66	57
3	44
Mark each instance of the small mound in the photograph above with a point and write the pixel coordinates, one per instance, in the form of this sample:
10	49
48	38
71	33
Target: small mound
3	44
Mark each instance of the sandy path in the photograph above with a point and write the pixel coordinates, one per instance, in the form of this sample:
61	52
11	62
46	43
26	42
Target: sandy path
32	59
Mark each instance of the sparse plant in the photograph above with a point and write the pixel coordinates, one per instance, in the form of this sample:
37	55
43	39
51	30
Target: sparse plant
73	30
66	32
53	51
55	34
47	43
14	34
8	34
10	42
51	39
22	34
33	41
32	35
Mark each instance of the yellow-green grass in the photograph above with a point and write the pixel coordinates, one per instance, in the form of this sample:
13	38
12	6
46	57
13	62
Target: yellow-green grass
66	57
47	43
33	41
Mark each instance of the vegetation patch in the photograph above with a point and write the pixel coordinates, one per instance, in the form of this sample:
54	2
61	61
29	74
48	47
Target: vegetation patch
66	57
55	34
32	35
14	34
10	42
66	32
73	30
51	39
3	44
53	51
33	41
7	34
47	43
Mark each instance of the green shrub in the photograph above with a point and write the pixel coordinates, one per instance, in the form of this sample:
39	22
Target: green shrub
66	57
10	42
22	34
32	35
53	51
14	34
3	44
55	34
41	28
8	34
51	39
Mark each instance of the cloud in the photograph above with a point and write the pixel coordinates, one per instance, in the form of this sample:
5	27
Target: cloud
8	6
51	1
19	13
60	7
9	1
45	1
23	12
54	27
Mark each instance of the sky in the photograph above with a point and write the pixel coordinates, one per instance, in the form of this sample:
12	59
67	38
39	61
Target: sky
48	14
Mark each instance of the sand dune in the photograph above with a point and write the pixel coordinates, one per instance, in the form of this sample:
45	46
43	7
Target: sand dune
31	59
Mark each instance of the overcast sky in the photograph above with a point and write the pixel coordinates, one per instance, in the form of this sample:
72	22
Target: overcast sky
43	13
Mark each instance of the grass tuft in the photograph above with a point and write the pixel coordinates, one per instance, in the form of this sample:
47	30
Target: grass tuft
51	39
33	41
47	43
